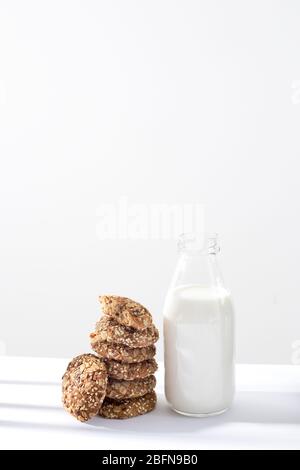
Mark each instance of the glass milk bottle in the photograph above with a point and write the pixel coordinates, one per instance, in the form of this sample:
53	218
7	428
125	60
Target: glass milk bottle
198	332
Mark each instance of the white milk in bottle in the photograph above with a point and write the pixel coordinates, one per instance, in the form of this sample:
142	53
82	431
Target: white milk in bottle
198	332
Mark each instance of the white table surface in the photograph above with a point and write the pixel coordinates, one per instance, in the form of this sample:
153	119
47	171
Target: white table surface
266	414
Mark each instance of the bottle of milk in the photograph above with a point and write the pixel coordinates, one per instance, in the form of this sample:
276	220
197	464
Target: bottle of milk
198	332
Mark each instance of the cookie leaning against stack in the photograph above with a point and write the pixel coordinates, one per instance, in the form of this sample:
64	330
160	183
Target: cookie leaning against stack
84	386
124	338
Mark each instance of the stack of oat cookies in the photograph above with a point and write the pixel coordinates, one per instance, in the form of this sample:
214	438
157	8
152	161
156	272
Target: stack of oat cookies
124	338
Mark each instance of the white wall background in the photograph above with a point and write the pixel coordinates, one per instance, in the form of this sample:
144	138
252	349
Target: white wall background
161	101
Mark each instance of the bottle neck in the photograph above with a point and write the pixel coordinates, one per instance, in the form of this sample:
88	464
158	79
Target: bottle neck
197	268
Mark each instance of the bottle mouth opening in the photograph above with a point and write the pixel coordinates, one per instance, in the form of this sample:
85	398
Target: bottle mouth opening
197	243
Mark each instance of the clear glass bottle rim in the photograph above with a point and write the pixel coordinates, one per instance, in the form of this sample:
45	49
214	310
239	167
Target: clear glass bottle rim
199	243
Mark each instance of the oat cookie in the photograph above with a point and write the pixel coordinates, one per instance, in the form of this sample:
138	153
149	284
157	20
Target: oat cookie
126	311
119	389
128	408
121	353
126	371
109	330
84	386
